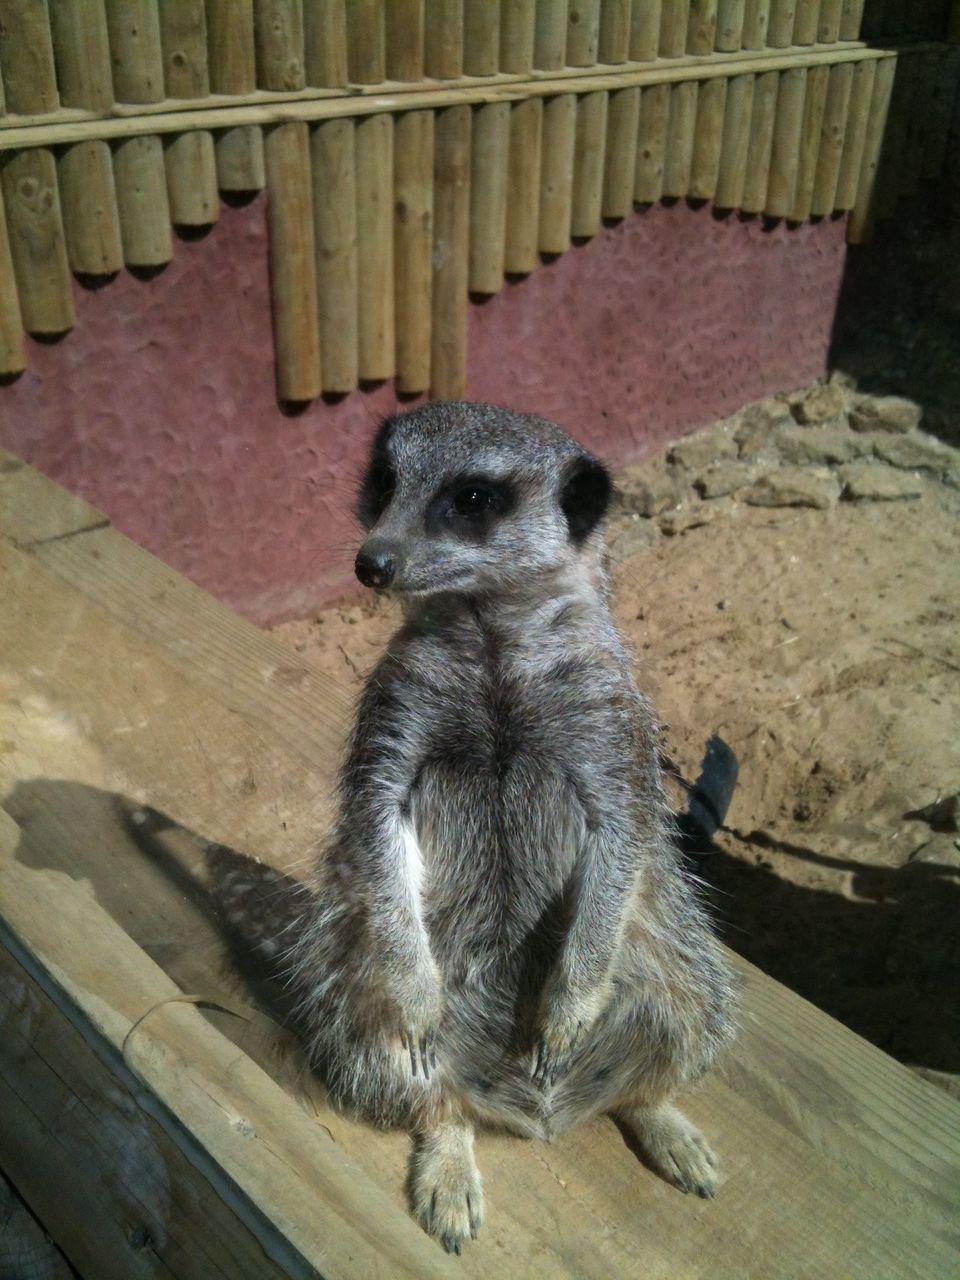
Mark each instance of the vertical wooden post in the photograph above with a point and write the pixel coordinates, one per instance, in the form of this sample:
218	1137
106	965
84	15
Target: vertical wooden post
681	126
278	30
851	156
811	130
404	39
490	156
708	138
325	43
805	21
762	117
702	27
451	233
785	158
851	15
613	44
293	274
191	169
232	70
183	39
517	30
90	218
413	254
26	57
239	156
756	20
333	169
859	223
481	37
37	244
135	50
780	27
674	20
736	142
588	156
623	123
651	143
583	32
550	44
81	48
13	356
375	282
835	116
828	28
644	31
523	186
142	202
443	39
556	172
366	51
730	25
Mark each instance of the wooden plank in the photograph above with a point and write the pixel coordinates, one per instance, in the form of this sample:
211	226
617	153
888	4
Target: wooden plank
708	139
278	34
81	46
191	166
183	38
232	56
141	186
583	32
404	39
366	42
13	357
735	144
860	221
38	248
851	16
240	163
374	158
517	33
756	19
550	39
26	57
651	143
451	247
681	131
613	44
490	158
730	15
811	131
523	186
588	158
835	116
136	53
91	221
325	38
556	172
702	27
645	31
481	38
620	171
785	157
856	131
413	248
443	39
762	117
674	20
333	164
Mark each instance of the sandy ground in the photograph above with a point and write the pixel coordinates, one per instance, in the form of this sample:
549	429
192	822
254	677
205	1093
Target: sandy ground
822	645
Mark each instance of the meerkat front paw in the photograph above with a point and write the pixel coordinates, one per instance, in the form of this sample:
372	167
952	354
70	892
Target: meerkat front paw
418	999
565	1018
673	1147
445	1186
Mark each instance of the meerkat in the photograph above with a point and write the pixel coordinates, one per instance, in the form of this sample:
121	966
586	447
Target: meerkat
502	932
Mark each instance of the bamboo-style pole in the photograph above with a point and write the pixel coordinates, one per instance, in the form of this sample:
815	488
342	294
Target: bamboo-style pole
13	355
583	32
490	156
451	237
828	27
730	25
805	22
651	143
90	218
941	107
851	16
780	26
851	155
556	172
808	154
293	274
375	282
674	20
81	48
413	248
523	186
835	116
588	158
278	31
37	244
762	116
481	37
861	214
136	52
517	33
708	139
404	39
366	42
756	20
443	39
613	44
623	123
785	157
325	43
736	142
3	99
644	31
681	129
702	27
239	156
230	46
191	169
550	42
141	187
26	57
333	169
183	38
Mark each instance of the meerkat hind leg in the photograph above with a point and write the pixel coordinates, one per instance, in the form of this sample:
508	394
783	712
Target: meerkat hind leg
671	1146
445	1183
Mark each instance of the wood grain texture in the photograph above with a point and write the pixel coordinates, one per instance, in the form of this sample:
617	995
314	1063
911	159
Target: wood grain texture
37	243
735	144
550	44
404	39
851	156
81	46
762	117
278	35
556	172
413	247
481	37
780	26
136	54
240	163
702	27
13	358
620	165
674	20
142	203
490	158
443	39
645	31
588	164
375	282
366	41
756	20
91	220
681	133
708	139
523	186
191	165
785	157
517	34
835	117
811	132
806	21
613	42
651	143
325	43
730	14
451	247
183	38
583	32
861	212
231	46
851	16
333	165
26	57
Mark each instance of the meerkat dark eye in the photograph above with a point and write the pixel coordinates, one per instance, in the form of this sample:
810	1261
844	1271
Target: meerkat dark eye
470	506
473	499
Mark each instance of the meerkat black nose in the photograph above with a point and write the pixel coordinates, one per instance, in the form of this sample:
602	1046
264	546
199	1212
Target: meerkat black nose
375	566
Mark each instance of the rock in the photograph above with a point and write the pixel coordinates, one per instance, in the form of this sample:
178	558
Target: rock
826	400
649	488
635	534
831	442
724	478
754	425
683	518
794	487
698	451
915	453
873	482
845	381
884	413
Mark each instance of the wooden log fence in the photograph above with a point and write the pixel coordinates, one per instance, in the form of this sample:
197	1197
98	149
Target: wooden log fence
416	151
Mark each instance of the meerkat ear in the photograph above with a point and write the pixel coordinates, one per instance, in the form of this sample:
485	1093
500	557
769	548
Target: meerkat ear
584	496
379	479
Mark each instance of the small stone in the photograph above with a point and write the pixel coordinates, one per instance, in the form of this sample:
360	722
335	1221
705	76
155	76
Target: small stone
884	413
683	518
648	488
845	381
724	478
754	425
915	453
831	442
794	487
826	400
698	451
873	482
634	536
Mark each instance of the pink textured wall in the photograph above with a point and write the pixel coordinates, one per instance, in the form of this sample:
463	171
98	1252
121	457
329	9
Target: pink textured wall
160	407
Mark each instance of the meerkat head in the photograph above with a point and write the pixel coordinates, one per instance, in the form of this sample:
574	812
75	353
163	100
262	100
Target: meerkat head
472	499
